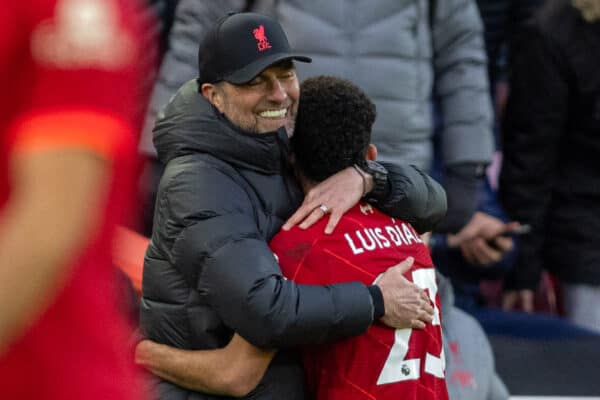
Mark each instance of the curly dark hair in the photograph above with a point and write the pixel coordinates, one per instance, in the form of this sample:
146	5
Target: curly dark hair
333	126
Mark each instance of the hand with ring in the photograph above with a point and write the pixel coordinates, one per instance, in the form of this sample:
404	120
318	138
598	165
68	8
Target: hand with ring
332	197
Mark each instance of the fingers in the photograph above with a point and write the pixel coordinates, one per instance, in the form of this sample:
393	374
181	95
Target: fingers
426	316
478	252
313	209
458	239
504	244
392	282
312	217
416	324
512	226
307	214
484	253
470	230
333	221
468	255
338	193
405	265
427	310
296	218
425	313
485	226
319	213
424	296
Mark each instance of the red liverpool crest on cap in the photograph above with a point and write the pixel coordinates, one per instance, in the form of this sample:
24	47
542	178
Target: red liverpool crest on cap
263	42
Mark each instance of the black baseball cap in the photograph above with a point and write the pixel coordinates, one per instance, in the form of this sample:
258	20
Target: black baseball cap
240	46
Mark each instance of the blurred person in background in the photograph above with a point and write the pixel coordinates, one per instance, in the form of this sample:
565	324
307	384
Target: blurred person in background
477	276
68	133
551	141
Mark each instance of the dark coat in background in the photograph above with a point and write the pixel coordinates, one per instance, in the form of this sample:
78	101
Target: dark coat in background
551	173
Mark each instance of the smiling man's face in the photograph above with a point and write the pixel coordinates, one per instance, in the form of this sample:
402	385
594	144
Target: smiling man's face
264	104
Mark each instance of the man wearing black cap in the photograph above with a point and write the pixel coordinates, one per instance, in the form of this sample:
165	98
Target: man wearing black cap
241	55
228	188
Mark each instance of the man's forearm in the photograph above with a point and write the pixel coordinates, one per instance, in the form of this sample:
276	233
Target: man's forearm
184	368
234	370
50	216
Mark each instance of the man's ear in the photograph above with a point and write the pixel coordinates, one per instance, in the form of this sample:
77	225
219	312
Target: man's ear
213	94
371	152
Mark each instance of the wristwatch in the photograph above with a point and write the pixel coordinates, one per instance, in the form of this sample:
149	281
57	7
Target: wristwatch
381	184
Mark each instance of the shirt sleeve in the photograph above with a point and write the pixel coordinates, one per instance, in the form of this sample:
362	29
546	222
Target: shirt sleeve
94	131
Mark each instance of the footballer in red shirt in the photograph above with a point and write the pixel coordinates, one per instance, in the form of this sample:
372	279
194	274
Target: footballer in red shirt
333	132
71	76
382	363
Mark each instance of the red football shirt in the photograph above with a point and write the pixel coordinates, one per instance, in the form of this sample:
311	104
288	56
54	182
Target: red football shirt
70	73
382	363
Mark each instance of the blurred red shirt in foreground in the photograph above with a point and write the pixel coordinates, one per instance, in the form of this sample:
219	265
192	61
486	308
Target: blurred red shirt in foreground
70	72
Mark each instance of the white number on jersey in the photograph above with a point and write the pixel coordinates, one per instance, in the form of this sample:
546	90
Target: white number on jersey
396	367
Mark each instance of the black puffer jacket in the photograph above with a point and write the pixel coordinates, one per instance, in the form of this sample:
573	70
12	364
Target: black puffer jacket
208	269
550	178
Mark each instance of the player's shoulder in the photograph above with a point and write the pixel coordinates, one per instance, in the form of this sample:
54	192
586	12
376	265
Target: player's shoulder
363	214
297	235
297	243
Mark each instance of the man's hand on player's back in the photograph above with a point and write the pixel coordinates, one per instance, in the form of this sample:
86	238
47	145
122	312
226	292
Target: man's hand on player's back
406	305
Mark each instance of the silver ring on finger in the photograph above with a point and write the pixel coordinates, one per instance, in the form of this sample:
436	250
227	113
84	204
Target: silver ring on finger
324	208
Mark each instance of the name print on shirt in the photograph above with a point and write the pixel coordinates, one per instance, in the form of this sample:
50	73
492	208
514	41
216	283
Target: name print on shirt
369	239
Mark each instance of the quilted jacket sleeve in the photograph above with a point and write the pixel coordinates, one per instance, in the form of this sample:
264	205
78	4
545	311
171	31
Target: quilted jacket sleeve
461	82
414	197
222	254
